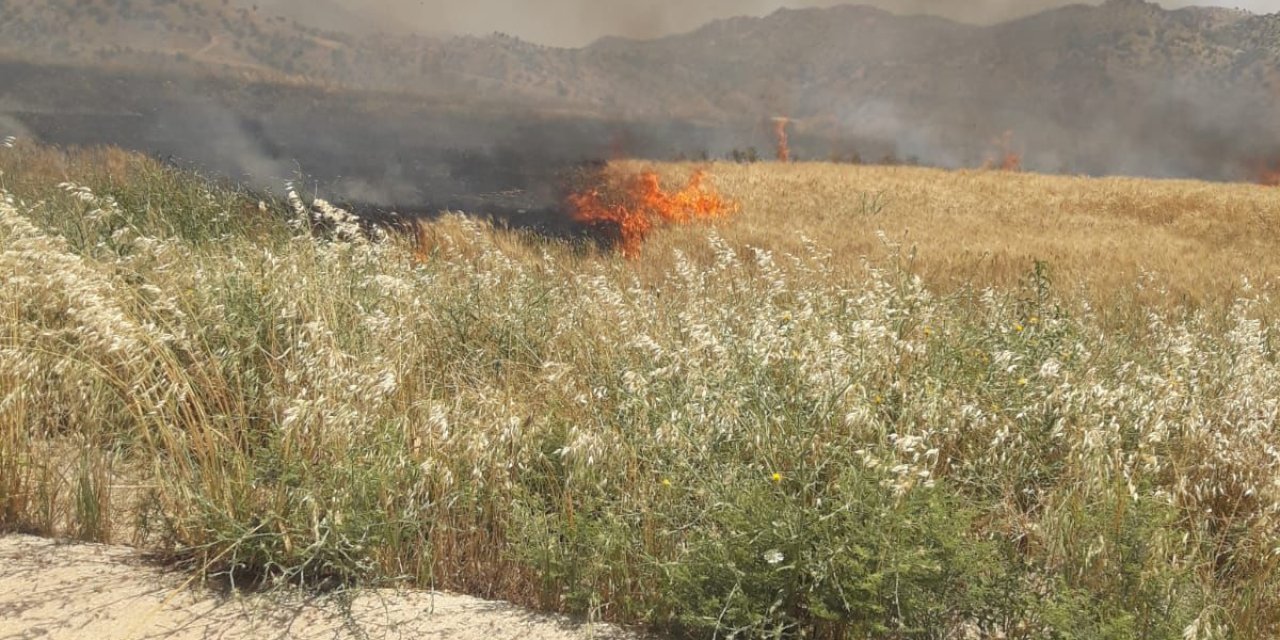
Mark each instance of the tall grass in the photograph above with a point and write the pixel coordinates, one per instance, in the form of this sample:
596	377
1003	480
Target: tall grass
726	440
978	228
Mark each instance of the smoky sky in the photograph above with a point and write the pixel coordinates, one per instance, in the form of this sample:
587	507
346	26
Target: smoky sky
572	23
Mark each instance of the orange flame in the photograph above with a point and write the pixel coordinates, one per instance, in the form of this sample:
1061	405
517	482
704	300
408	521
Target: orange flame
424	243
780	132
1269	174
626	209
1008	159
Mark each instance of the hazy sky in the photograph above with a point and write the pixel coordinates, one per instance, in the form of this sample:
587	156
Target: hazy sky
578	22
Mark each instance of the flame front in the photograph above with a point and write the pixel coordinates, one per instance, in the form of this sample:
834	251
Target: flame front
626	209
1268	174
1007	158
780	132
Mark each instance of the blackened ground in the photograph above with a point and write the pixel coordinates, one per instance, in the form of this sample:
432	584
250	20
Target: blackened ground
384	150
374	151
539	208
420	156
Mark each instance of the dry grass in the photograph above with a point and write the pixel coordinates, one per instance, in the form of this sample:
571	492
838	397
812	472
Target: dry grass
1198	240
31	168
778	441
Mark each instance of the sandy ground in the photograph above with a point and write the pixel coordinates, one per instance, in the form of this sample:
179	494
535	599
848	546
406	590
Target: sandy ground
54	590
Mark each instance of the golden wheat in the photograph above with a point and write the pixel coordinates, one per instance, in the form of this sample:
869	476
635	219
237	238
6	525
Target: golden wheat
1198	240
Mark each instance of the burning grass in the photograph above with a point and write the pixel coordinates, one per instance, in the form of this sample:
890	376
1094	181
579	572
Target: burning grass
624	209
1268	173
747	434
1005	156
782	140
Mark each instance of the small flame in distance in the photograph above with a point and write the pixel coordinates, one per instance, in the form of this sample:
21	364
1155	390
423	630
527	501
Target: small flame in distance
625	209
780	132
1007	158
1268	173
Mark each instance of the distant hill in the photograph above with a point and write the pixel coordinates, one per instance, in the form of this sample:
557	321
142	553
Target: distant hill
1125	87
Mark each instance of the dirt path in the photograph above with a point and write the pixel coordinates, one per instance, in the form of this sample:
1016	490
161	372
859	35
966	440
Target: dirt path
53	590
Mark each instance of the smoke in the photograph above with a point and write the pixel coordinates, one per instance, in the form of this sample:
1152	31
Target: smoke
574	23
987	12
265	149
1166	129
881	93
12	127
230	144
1169	128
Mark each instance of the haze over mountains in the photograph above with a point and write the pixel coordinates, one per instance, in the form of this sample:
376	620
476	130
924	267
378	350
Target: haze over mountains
1125	87
575	23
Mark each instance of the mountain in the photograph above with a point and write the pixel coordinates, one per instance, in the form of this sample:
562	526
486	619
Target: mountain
1124	87
328	15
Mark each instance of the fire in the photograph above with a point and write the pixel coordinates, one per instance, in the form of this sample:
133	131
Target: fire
626	209
780	132
1268	173
1008	159
424	242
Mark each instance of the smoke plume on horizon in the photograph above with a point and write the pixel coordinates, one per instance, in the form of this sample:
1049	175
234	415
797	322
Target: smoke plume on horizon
574	23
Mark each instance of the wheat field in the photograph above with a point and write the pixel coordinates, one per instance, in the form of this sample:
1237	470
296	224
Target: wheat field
878	402
1198	241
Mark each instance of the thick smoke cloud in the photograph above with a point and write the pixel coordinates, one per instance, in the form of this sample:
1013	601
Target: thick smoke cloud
577	22
415	156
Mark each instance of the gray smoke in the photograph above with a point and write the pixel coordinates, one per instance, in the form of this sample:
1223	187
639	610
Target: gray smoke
228	145
573	23
403	152
11	126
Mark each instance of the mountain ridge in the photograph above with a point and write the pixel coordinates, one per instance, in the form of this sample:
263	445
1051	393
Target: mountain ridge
1118	87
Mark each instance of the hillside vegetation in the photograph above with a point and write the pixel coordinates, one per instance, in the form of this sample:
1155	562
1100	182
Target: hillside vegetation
1126	87
742	431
